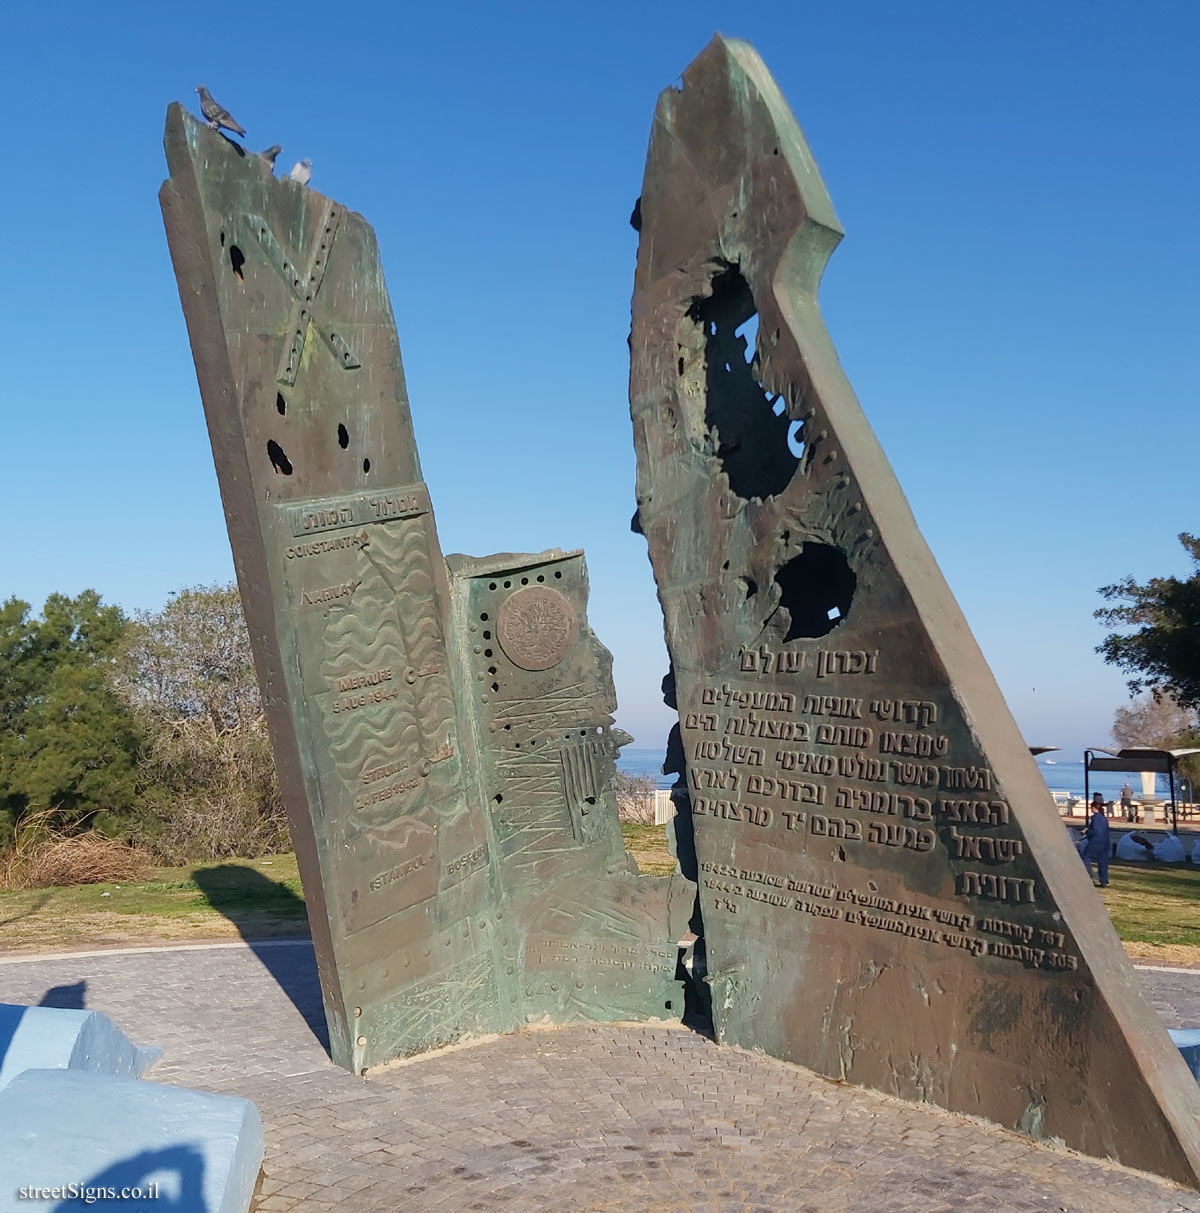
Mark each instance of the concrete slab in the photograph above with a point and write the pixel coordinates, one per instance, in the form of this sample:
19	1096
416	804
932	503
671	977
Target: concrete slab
60	1038
92	1138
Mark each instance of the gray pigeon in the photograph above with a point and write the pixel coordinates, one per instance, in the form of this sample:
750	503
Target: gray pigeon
301	171
216	116
270	153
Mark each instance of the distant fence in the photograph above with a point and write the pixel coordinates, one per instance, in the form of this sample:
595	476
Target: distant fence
642	808
664	807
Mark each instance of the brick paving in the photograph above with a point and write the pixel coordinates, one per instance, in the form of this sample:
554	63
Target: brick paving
621	1118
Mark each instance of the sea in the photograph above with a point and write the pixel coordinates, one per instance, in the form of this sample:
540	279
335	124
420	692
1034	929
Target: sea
1062	775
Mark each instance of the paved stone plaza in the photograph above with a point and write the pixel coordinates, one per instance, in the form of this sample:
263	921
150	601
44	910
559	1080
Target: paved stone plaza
637	1118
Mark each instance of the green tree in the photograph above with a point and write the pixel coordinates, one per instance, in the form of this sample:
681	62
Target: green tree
1159	640
207	772
67	743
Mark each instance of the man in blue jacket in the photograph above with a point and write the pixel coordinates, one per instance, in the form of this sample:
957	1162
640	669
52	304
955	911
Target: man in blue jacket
1096	845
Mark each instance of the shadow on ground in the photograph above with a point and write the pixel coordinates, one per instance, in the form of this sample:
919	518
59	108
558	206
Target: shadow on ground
258	906
182	1167
73	996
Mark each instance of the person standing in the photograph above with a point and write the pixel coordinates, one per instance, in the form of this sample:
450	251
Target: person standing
1127	802
1096	844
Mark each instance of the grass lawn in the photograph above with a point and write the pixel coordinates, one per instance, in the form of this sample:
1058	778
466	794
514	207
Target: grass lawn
1155	908
242	898
648	845
255	898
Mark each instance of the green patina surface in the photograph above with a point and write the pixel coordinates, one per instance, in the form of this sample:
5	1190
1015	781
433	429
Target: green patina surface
448	791
887	894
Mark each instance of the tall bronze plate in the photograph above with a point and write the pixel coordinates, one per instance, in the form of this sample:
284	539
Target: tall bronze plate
449	792
888	896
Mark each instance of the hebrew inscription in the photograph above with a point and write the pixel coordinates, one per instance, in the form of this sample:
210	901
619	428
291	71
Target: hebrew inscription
887	895
444	745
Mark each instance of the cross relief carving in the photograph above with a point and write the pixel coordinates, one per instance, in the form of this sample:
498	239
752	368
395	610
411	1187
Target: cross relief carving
305	287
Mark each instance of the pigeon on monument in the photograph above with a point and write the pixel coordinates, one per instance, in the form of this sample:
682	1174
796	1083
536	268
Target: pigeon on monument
301	171
216	116
271	152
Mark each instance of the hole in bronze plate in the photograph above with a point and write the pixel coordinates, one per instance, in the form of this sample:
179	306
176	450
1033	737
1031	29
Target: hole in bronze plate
484	616
750	586
279	461
752	436
541	577
487	635
498	798
557	576
222	239
343	436
492	586
236	260
366	465
280	404
495	686
816	590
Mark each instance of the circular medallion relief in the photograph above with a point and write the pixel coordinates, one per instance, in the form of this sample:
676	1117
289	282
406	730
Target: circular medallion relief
536	627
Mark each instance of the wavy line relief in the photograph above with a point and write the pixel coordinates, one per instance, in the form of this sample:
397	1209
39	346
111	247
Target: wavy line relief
370	716
399	553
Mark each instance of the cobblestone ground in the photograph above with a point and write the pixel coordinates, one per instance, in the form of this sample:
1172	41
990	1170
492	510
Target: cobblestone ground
637	1118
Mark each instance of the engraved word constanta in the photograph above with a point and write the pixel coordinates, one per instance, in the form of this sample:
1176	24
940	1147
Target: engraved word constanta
321	546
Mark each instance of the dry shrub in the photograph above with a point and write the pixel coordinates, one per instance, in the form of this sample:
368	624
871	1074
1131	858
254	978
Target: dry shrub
206	772
212	792
43	856
635	798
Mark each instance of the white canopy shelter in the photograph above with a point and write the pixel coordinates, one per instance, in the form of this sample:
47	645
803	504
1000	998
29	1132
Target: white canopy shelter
1134	759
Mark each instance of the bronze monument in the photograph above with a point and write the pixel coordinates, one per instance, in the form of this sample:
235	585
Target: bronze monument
888	896
443	735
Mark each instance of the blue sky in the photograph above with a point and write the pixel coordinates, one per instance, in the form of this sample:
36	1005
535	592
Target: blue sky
1015	301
